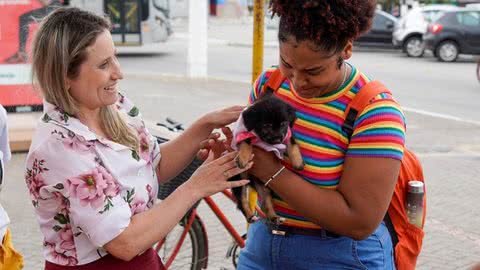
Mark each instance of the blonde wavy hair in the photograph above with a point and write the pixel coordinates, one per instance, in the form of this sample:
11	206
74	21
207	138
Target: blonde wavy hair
59	48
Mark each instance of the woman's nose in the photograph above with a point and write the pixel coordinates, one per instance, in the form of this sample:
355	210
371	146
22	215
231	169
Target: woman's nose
117	72
298	80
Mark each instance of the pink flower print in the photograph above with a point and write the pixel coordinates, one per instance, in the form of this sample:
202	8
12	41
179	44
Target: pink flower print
93	188
137	205
34	183
66	235
144	145
151	196
76	144
61	257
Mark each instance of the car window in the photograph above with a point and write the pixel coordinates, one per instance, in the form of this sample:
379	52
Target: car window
427	15
379	22
432	15
470	18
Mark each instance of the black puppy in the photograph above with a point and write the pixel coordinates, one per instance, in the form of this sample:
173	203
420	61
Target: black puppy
268	122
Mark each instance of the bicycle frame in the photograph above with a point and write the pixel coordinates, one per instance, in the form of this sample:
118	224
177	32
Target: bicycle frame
239	240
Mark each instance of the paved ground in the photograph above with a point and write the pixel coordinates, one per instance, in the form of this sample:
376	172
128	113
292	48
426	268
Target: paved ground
449	150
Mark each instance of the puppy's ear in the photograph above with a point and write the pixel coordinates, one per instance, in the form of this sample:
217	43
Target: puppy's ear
249	118
267	92
291	115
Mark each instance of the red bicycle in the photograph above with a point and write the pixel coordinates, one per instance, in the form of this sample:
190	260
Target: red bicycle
187	243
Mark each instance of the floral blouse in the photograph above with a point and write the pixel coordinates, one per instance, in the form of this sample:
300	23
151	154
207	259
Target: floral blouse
85	188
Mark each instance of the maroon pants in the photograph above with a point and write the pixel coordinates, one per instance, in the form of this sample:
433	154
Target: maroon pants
149	260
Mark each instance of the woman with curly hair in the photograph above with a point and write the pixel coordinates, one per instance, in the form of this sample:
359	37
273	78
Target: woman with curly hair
332	211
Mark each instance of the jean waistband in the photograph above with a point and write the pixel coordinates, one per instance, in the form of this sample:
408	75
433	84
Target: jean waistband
284	230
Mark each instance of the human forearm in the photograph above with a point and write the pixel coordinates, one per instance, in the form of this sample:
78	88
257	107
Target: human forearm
150	226
329	209
179	152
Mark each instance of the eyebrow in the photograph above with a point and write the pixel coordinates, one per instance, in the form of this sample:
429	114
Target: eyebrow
307	69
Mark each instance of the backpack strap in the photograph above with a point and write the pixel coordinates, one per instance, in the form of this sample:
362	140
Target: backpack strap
274	81
359	102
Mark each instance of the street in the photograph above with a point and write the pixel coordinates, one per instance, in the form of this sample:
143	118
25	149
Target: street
443	128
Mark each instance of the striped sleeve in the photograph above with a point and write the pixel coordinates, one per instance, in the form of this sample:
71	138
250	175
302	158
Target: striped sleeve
257	86
379	131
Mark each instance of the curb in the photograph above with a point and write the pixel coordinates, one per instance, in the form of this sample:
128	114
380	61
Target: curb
21	127
266	44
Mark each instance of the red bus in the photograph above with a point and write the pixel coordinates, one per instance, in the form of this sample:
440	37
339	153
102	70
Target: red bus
135	23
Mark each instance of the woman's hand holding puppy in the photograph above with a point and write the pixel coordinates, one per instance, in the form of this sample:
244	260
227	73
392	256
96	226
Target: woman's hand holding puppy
213	175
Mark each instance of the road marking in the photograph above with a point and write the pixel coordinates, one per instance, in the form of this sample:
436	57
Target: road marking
457	233
464	155
155	75
441	115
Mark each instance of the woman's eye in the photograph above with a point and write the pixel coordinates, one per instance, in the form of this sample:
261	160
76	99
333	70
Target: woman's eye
104	65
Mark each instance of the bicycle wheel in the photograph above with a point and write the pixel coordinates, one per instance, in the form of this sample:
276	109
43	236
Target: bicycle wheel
193	251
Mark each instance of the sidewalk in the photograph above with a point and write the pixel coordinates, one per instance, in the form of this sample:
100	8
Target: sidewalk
231	32
449	151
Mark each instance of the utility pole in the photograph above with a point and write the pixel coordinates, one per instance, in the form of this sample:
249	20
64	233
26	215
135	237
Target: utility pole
198	38
257	62
258	28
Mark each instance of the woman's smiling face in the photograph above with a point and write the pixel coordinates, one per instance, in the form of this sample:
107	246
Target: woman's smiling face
96	83
313	73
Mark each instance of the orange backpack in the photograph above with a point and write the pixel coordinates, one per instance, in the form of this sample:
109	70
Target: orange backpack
407	238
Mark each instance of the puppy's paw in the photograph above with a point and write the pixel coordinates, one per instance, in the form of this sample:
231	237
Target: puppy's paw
244	154
276	220
298	165
241	162
296	157
253	219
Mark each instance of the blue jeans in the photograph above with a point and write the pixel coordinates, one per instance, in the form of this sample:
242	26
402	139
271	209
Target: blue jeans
264	250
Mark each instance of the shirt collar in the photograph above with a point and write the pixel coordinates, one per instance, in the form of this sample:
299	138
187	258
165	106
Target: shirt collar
53	114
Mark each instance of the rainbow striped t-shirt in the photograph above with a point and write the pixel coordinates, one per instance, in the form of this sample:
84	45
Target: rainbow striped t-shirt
379	131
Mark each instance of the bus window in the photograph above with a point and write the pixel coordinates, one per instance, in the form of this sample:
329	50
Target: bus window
145	9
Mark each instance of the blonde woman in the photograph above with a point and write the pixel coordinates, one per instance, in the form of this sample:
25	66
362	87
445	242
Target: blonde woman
93	168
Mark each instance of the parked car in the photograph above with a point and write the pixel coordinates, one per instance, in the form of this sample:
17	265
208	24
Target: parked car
454	33
380	35
410	28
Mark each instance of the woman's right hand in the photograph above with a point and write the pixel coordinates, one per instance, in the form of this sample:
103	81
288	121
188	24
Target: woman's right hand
213	175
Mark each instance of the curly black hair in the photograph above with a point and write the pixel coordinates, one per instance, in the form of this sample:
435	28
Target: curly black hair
329	24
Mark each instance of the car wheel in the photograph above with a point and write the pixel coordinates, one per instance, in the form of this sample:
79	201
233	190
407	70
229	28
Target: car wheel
414	46
447	51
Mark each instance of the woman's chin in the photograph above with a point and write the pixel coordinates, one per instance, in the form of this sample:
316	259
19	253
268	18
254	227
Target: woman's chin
307	94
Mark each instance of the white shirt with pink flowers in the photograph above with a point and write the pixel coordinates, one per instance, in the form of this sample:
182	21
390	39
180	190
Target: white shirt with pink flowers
84	188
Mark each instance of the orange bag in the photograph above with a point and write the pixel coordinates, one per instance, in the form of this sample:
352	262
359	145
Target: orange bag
407	238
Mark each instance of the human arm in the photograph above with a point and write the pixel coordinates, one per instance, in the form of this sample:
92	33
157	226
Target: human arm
150	226
179	152
369	173
354	209
78	190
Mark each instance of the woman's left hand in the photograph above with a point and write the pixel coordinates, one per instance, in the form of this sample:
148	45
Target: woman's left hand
223	117
216	144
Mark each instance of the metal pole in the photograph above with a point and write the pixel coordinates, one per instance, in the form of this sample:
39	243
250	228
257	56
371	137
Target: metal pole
257	63
258	28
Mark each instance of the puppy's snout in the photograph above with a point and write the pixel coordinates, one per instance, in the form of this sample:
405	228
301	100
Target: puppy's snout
275	140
